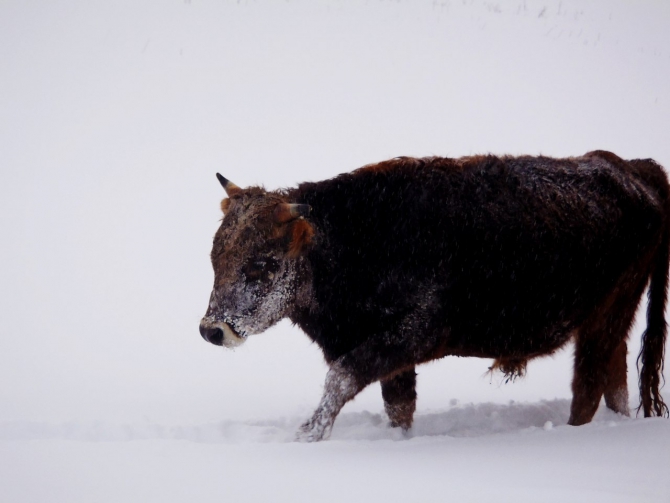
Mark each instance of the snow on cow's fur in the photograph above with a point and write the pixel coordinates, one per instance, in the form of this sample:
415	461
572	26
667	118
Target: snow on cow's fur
409	260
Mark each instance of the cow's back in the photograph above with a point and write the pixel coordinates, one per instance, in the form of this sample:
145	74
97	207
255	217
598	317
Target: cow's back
512	251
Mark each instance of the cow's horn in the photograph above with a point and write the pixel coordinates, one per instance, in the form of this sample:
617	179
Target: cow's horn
284	212
227	185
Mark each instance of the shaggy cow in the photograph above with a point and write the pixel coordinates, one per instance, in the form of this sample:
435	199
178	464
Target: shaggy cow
409	260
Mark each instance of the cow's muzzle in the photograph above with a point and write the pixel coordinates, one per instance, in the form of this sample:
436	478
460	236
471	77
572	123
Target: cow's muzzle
220	333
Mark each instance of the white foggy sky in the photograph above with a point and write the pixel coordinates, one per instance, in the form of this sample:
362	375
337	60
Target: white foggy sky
114	117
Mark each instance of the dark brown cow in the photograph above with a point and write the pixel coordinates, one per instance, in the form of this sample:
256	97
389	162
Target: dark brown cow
410	260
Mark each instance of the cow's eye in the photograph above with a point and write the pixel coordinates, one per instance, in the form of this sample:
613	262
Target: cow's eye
261	269
254	270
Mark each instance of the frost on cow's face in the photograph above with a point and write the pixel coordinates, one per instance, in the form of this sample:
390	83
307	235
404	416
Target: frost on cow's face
254	257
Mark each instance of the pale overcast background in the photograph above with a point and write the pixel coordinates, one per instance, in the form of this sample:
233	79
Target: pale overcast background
115	116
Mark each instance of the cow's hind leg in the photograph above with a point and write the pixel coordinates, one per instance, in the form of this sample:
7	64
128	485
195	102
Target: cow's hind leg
590	379
600	352
616	388
399	394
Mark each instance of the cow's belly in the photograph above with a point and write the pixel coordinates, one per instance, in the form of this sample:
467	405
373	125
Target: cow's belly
517	344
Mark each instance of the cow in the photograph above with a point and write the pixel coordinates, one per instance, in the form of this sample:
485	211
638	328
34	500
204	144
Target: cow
412	259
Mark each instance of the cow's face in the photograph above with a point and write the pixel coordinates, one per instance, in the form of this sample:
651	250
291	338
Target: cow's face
255	255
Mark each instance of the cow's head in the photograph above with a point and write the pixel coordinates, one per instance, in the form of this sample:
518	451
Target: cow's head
255	258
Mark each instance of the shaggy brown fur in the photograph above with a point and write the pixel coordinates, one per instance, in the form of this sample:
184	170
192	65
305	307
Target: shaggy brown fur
512	368
301	237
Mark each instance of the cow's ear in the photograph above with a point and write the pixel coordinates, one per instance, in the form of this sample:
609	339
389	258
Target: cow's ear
301	232
225	204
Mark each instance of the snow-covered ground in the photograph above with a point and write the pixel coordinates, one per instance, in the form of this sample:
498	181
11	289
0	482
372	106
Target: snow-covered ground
507	453
114	117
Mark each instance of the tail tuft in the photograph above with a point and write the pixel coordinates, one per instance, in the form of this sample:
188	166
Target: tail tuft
650	362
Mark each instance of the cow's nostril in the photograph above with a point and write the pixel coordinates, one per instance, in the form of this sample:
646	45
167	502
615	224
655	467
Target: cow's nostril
213	335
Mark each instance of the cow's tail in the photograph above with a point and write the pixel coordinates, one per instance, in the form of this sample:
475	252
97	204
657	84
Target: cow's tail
652	353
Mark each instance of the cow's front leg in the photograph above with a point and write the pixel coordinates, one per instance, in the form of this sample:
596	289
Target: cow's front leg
377	358
340	387
399	394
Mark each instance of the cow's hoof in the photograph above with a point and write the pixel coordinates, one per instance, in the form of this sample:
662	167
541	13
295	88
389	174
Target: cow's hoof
311	431
405	427
400	415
